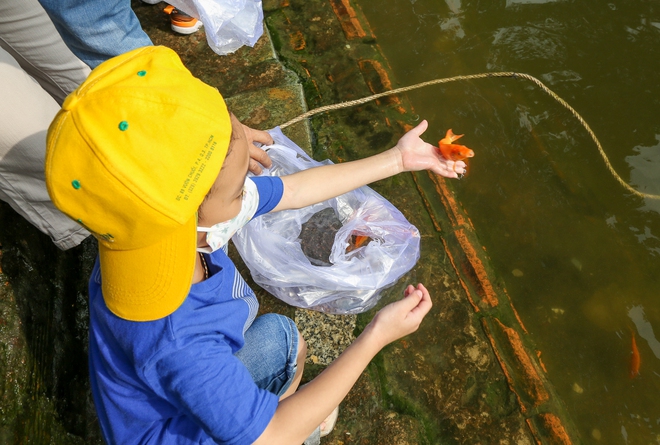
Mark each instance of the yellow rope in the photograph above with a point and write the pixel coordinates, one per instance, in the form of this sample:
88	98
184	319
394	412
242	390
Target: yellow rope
481	76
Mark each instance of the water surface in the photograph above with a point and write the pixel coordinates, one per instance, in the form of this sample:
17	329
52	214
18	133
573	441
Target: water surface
580	255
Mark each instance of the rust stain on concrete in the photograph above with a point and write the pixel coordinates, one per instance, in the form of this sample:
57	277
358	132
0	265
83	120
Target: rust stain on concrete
435	222
406	127
487	293
460	280
529	378
476	267
348	19
297	41
383	80
555	429
538	357
515	312
534	431
448	201
280	94
378	81
503	365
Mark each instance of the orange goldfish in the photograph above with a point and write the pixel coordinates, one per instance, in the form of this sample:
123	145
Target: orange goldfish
360	239
357	241
451	151
634	358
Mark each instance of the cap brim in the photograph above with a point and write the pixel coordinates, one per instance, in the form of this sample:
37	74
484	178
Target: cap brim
151	282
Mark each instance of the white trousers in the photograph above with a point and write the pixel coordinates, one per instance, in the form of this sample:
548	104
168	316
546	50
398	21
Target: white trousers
37	71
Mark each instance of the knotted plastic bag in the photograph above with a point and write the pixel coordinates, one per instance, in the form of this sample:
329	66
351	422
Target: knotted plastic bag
229	24
353	277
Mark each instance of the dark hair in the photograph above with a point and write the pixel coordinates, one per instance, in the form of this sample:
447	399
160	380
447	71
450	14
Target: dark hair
232	139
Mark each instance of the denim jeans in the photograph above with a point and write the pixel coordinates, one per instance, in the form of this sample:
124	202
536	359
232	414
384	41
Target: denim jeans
271	352
97	30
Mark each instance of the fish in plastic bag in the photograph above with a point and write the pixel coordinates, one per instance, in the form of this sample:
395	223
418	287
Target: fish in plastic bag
353	276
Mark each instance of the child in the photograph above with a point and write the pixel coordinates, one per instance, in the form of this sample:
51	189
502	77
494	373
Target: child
148	159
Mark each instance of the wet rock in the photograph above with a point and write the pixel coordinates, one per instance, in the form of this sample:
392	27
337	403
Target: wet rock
318	236
43	336
326	335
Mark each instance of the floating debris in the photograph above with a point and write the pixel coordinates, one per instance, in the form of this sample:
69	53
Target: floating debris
517	273
558	311
577	388
596	434
576	263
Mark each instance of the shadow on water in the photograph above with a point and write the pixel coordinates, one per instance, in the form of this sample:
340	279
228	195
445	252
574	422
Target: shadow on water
43	323
578	254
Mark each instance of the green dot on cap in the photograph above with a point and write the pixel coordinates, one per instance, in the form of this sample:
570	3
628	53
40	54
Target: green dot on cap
123	125
142	73
76	184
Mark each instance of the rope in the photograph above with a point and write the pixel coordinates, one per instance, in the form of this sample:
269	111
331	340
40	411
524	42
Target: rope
554	95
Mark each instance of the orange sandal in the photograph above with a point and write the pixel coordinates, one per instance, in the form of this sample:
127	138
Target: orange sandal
181	22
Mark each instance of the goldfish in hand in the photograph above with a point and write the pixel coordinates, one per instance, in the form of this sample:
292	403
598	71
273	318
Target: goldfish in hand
453	152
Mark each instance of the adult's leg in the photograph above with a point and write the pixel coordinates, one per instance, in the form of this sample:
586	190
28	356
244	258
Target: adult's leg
31	51
25	114
28	35
97	30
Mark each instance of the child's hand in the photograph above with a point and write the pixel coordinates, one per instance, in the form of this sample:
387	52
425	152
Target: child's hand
402	317
418	155
258	157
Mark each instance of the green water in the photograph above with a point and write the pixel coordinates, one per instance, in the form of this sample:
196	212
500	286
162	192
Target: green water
579	254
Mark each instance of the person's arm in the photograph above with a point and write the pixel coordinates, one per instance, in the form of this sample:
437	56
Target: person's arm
411	153
299	414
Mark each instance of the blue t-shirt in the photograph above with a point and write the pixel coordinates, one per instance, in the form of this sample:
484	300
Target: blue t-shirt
176	380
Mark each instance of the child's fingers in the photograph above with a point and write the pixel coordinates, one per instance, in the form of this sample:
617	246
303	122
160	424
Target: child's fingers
255	167
425	304
408	303
260	136
258	155
445	168
404	316
420	128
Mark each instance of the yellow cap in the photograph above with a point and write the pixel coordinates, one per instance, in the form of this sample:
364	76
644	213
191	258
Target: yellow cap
130	156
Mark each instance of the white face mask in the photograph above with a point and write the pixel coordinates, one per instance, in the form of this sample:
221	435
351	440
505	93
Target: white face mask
219	234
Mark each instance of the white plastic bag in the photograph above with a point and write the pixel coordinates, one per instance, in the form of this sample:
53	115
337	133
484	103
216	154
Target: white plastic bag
229	24
270	245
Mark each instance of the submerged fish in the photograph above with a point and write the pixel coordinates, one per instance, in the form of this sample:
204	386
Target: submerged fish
634	357
453	152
